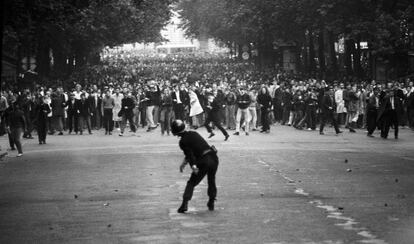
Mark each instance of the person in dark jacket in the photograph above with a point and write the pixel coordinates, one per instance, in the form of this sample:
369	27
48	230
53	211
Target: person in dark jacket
298	109
84	114
311	107
6	115
58	110
153	97
287	98
27	105
389	105
73	113
243	102
127	114
372	111
16	126
181	100
410	108
311	103
43	110
95	103
277	104
265	102
203	160
328	107
213	115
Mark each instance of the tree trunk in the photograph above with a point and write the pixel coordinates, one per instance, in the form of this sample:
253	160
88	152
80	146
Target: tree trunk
312	63
357	59
94	58
321	53
1	44
349	53
305	58
299	64
43	59
332	55
60	66
266	55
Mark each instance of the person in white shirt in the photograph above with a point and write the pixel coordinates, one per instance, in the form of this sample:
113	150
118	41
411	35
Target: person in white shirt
340	104
118	104
78	92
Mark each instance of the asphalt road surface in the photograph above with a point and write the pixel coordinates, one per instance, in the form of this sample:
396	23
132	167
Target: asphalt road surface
288	186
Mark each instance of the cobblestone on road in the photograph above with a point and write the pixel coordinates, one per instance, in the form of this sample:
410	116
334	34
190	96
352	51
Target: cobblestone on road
288	186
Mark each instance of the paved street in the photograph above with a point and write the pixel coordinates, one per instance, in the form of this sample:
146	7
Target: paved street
288	186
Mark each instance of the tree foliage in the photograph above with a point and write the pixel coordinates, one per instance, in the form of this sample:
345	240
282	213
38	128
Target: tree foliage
385	25
80	28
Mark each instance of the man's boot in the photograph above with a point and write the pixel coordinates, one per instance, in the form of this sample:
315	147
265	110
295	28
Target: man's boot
210	204
183	208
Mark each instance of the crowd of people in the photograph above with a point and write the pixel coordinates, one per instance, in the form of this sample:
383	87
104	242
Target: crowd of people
211	92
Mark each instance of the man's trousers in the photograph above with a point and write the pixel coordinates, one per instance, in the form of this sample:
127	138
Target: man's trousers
207	165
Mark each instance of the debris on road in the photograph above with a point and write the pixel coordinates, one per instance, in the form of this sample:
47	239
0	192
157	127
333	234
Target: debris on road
346	160
106	204
75	196
349	170
340	208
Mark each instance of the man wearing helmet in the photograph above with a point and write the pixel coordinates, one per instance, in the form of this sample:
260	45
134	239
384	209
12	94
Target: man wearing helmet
203	161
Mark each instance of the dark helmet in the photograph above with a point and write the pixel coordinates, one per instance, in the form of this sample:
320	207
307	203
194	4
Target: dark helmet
177	126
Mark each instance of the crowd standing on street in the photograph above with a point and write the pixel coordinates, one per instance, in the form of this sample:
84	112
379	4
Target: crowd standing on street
211	92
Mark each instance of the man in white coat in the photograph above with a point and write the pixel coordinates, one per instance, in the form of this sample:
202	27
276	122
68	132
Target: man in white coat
340	104
195	107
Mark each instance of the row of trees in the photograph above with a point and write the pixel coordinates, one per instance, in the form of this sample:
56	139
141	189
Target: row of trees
66	34
309	27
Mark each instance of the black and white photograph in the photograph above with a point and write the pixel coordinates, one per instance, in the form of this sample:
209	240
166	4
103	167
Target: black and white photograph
207	121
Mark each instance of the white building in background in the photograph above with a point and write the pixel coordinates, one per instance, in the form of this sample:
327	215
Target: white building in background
176	42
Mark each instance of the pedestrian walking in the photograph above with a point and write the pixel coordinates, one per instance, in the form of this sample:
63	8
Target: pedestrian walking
16	126
328	107
213	115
